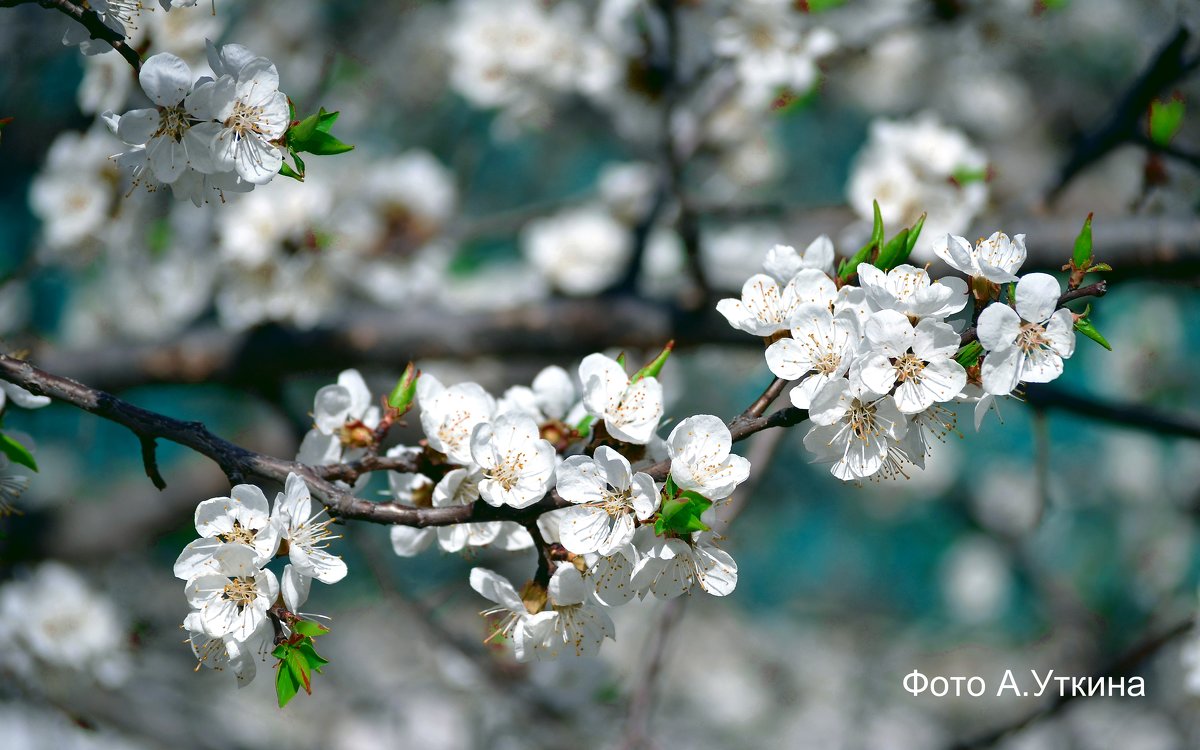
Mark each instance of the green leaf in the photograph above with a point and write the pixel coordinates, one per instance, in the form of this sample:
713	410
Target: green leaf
849	267
299	163
817	6
894	252
287	171
321	144
966	176
1166	118
16	452
402	395
671	488
302	131
325	120
286	686
1084	325
298	666
968	356
291	110
621	360
1097	268
655	367
309	628
913	234
585	424
314	660
1082	257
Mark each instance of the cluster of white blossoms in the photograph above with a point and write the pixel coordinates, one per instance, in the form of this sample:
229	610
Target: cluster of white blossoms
239	606
52	623
206	135
630	528
917	166
877	363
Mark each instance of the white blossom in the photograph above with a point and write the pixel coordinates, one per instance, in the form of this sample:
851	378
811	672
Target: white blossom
20	397
574	623
669	567
784	261
609	499
450	415
242	518
252	118
822	347
630	411
517	464
219	653
1030	343
580	251
701	461
910	291
234	600
996	259
178	132
856	431
306	532
918	361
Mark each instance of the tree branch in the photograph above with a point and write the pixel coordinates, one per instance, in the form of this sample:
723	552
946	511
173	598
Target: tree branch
239	463
90	21
1167	67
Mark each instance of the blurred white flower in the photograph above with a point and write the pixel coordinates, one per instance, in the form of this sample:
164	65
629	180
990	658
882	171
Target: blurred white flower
579	251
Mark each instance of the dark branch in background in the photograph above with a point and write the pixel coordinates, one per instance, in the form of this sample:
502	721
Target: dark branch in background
1121	666
90	21
1165	69
1135	416
641	703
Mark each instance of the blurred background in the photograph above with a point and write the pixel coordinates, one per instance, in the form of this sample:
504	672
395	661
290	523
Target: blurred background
534	181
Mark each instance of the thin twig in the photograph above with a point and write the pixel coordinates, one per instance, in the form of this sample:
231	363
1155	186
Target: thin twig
641	703
87	18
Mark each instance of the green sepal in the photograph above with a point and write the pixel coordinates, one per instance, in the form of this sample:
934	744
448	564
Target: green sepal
1082	255
1166	118
1099	267
312	135
680	515
16	452
655	367
287	171
966	176
818	6
308	628
314	660
913	234
402	395
968	355
894	252
849	267
1083	324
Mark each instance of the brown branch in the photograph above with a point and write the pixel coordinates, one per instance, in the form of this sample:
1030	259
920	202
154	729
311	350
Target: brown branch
90	21
238	463
1137	416
150	461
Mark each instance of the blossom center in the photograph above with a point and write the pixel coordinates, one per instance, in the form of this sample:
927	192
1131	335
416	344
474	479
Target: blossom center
173	122
242	591
239	535
508	472
1032	337
908	367
246	119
